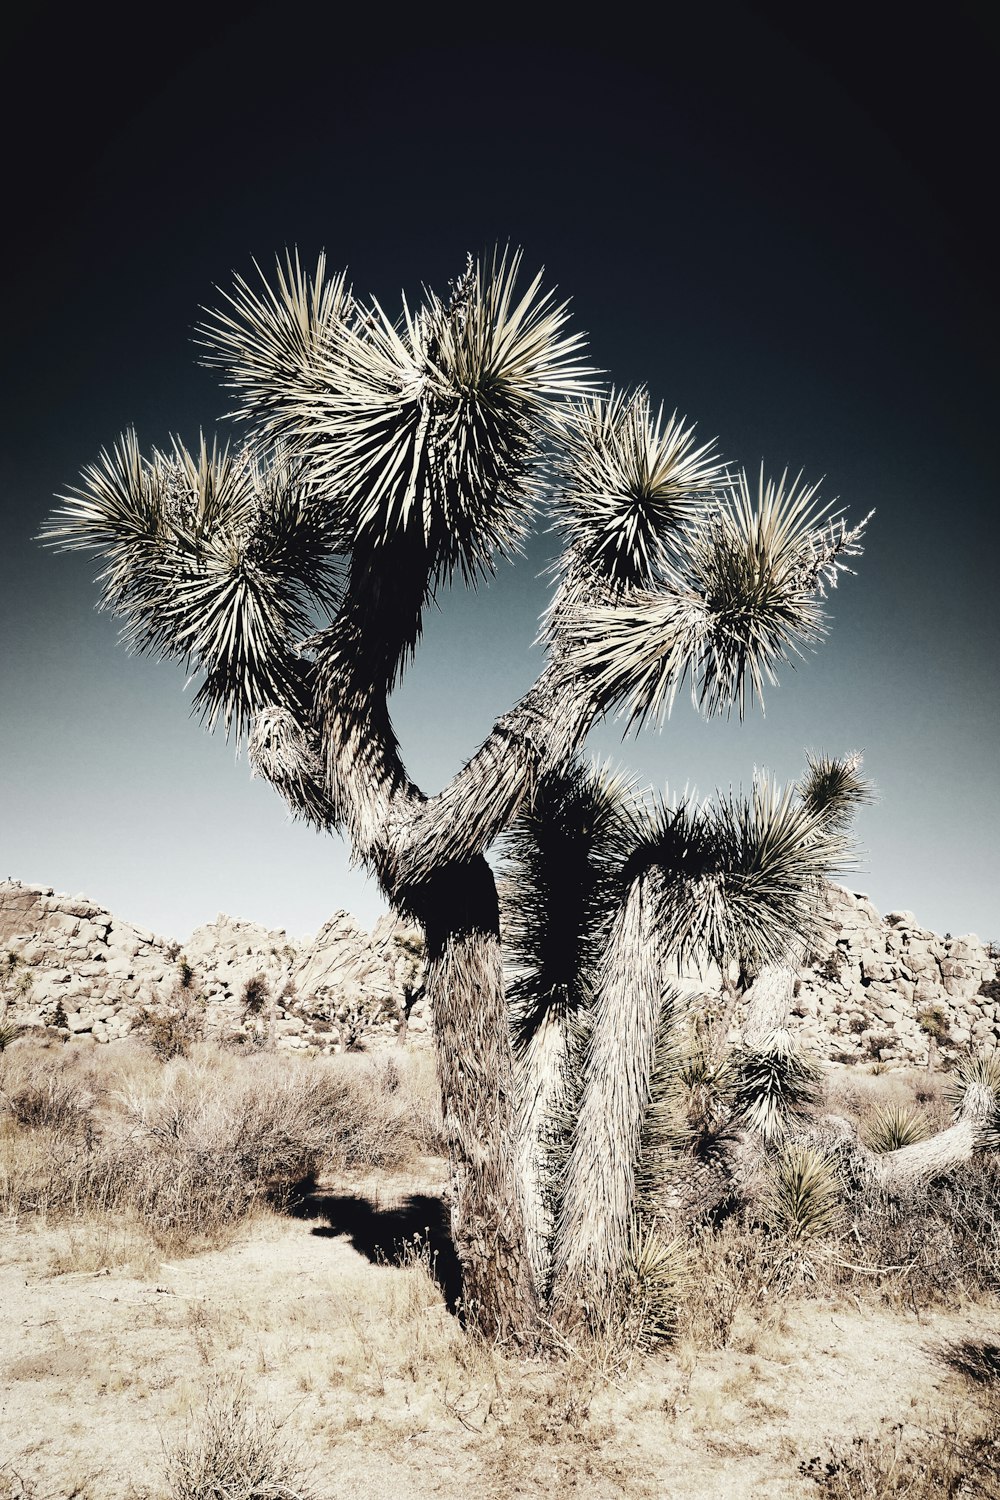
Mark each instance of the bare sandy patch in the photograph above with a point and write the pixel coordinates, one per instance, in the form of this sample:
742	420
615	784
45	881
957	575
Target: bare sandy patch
378	1393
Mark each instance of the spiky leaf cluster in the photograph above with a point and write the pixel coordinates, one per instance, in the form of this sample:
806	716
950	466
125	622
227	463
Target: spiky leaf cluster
215	558
740	875
773	1085
803	1196
630	484
746	597
654	1277
974	1089
834	787
427	426
890	1127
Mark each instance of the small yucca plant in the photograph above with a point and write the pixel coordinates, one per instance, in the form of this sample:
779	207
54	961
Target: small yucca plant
893	1126
773	1084
802	1198
656	1271
702	1088
9	1031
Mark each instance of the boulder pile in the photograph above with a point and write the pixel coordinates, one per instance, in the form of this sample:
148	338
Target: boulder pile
68	965
876	989
887	989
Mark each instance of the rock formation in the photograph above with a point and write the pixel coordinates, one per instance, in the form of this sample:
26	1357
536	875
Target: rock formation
875	990
67	964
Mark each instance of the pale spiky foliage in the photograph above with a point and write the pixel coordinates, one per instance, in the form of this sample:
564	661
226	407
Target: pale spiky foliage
802	1198
892	1126
215	559
746	598
773	1085
655	1272
427	427
974	1090
271	340
630	484
740	875
834	787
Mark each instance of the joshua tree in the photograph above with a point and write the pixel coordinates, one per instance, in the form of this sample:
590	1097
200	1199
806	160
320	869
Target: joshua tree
380	460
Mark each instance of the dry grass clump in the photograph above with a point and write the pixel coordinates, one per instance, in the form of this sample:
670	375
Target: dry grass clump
935	1243
856	1094
957	1457
234	1451
191	1148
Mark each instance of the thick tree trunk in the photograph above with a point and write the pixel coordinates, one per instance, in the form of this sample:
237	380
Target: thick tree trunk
475	1070
599	1201
911	1165
767	1004
542	1093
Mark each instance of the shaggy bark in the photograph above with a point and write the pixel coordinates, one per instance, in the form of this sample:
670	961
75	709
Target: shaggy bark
767	1002
599	1198
542	1096
905	1168
475	1070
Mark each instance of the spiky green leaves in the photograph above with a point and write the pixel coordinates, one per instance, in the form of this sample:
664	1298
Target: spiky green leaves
214	559
630	483
802	1198
973	1091
890	1127
773	1085
746	599
834	787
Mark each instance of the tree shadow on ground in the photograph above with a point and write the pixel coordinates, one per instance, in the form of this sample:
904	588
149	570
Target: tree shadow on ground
386	1236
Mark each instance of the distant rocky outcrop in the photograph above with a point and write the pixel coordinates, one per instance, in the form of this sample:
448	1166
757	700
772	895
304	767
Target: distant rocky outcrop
875	988
69	965
885	988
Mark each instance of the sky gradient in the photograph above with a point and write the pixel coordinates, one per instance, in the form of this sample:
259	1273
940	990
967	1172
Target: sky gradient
783	234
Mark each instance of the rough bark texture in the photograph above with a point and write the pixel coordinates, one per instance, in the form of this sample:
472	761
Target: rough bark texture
599	1198
475	1069
911	1165
542	1095
767	1001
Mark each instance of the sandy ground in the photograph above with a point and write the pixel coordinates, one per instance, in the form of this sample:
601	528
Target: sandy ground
103	1373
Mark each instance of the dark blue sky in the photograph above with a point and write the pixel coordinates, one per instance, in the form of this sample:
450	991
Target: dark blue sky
780	228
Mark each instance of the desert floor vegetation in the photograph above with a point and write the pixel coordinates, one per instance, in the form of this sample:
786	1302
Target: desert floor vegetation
230	1276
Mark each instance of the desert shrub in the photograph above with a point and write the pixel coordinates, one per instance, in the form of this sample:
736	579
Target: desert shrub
256	993
828	967
933	1022
956	1458
892	1126
801	1198
932	1243
734	1268
234	1451
192	1148
856	1093
170	1029
46	1098
879	1042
